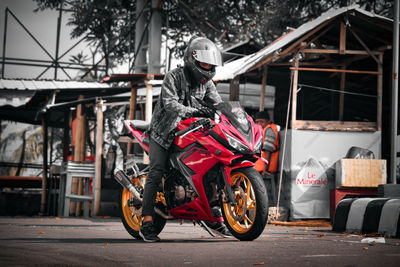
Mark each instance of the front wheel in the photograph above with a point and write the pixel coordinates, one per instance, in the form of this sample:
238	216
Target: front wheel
246	221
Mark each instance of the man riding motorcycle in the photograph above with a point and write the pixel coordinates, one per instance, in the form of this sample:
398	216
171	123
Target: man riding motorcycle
175	103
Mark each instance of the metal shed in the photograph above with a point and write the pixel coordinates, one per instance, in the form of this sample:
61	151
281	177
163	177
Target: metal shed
332	73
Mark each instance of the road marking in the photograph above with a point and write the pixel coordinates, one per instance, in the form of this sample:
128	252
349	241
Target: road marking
329	255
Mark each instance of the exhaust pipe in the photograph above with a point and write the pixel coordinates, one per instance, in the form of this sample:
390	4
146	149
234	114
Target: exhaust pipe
124	180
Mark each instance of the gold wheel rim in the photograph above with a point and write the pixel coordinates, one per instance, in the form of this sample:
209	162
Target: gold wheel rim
246	207
131	213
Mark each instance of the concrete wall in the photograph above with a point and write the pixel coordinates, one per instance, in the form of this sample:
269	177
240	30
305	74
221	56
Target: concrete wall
249	95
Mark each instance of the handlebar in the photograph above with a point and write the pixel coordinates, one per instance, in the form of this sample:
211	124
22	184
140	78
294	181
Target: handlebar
184	131
194	126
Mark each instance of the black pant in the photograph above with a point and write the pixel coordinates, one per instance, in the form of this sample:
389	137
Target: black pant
158	163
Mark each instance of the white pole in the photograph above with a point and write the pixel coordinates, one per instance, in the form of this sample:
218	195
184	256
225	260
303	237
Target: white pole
99	150
395	76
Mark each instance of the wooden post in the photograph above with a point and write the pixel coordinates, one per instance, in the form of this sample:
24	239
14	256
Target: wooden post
234	89
341	97
364	45
132	112
263	84
342	45
44	174
79	154
66	135
81	124
99	150
294	94
379	94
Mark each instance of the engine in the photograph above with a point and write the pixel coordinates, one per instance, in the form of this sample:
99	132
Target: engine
178	190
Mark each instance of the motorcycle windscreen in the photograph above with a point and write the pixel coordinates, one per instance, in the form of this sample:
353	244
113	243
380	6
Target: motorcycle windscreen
236	115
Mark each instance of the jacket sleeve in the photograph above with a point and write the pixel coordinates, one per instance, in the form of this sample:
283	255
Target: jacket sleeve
170	97
269	140
212	95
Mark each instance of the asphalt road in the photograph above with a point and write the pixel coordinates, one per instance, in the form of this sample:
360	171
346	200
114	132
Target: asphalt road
49	241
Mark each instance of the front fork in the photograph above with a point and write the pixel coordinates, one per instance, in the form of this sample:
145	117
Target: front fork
228	192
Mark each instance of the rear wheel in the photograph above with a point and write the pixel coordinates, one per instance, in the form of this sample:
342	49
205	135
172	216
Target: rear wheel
246	221
131	212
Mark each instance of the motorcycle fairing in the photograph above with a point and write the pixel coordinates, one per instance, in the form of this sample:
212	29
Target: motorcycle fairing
140	135
199	161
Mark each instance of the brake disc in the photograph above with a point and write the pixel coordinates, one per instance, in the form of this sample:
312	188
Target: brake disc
242	203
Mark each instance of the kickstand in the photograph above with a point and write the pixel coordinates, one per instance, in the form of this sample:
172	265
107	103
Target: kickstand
208	229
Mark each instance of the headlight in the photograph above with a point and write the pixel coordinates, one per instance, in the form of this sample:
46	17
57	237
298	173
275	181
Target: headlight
238	145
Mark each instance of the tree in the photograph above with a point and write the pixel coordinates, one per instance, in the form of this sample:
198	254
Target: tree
111	22
106	22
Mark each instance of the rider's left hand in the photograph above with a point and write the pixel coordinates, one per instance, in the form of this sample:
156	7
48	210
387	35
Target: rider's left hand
204	112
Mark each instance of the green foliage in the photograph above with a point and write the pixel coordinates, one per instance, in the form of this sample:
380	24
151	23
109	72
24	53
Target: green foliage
111	22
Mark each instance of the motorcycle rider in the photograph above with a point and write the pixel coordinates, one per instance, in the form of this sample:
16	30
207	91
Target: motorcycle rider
175	103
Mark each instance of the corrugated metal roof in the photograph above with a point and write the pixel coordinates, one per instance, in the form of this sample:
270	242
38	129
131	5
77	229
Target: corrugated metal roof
15	98
242	65
11	84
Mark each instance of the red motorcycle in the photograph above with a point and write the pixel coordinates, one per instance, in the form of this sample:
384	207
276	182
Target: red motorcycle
211	163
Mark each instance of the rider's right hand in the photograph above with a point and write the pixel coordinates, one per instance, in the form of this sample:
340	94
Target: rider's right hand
204	112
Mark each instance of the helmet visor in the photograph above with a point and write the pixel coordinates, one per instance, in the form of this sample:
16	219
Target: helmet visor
212	57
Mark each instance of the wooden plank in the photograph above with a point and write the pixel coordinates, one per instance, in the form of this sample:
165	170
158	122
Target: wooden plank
294	91
364	45
337	51
20	178
295	44
360	172
376	38
79	156
66	139
315	39
379	94
262	91
319	63
338	70
351	126
21	181
342	40
126	139
132	112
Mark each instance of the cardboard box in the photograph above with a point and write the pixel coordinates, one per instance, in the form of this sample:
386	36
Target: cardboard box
360	172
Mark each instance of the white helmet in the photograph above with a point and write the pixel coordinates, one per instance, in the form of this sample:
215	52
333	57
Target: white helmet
201	49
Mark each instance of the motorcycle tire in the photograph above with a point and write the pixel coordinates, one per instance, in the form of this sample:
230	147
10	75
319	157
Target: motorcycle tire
246	221
132	218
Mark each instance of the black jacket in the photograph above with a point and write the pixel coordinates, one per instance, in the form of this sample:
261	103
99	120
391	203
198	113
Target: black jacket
176	103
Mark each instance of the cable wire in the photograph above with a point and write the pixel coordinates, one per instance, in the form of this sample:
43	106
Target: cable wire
334	90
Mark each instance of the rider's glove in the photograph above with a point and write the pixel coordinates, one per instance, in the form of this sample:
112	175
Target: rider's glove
204	112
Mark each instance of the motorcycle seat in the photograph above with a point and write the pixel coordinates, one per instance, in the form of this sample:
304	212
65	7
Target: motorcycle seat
140	125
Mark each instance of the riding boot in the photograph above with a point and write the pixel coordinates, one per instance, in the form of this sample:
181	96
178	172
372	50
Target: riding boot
219	227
